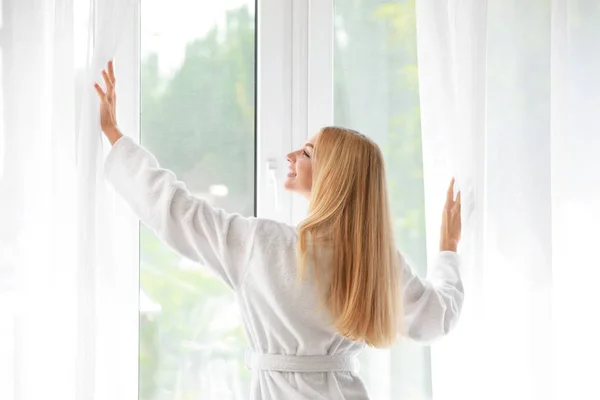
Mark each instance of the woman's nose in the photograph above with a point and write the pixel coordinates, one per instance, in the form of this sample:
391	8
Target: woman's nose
291	157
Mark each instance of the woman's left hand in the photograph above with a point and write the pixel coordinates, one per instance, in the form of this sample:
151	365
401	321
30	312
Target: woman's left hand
451	221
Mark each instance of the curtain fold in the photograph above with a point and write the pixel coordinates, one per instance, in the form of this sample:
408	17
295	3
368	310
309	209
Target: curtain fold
66	296
99	309
451	47
509	93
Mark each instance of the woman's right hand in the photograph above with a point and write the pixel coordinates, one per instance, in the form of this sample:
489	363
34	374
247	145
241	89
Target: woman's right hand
108	105
451	223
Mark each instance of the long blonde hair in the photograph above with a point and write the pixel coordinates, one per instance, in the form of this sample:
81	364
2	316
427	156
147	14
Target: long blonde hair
349	213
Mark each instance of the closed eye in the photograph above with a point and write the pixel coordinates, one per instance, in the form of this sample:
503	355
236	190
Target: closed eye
305	153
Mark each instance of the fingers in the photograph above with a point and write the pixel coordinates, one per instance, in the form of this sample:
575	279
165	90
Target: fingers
107	81
111	72
100	92
456	208
450	195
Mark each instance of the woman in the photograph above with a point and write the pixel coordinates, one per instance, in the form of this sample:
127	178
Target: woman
312	296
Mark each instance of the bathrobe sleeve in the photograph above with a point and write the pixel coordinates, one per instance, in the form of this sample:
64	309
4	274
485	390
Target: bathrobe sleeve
222	242
432	306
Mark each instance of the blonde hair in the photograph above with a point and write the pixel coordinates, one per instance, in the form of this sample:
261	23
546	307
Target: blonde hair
349	213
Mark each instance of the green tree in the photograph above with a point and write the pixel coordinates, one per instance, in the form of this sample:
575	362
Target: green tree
200	124
376	92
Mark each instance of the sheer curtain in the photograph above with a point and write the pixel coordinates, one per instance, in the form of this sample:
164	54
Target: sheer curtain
68	292
510	93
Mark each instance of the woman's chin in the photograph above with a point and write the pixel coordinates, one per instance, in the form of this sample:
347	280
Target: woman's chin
289	184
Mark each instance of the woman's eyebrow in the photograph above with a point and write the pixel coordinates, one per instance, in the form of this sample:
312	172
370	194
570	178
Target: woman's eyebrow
309	145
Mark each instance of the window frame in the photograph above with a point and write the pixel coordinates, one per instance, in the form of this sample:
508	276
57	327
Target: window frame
294	98
294	47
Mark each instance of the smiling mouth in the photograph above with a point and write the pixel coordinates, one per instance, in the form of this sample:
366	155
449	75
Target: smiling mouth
291	175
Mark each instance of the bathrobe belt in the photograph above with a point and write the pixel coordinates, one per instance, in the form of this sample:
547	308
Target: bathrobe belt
294	363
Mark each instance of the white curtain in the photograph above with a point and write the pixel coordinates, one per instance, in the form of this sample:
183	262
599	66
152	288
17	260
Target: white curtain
68	288
510	94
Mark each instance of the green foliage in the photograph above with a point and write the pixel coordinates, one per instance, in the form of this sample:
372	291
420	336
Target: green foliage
200	122
377	92
192	326
381	40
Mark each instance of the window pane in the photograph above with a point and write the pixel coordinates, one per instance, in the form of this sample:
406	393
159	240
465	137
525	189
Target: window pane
198	119
376	93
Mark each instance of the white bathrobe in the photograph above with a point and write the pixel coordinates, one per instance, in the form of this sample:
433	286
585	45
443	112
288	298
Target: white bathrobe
294	351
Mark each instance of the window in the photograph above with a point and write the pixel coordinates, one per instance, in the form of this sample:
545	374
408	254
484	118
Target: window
376	92
198	118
